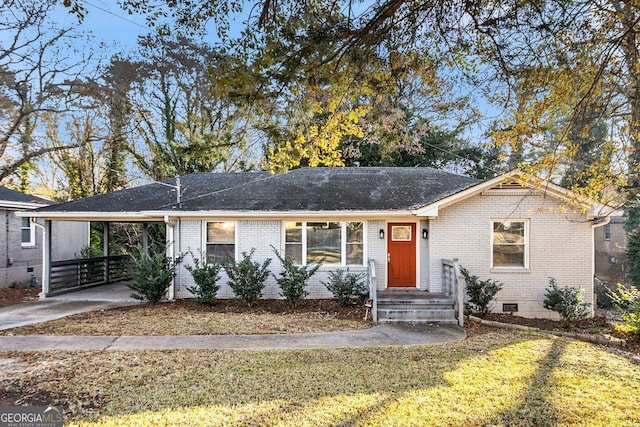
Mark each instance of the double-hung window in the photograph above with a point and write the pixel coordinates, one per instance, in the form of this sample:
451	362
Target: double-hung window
510	240
27	232
325	242
607	232
220	241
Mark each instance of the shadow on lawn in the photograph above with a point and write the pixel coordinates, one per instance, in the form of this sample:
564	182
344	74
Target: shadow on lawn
329	387
534	409
355	385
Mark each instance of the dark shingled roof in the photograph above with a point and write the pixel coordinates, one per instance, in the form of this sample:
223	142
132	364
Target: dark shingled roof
156	195
306	189
18	197
337	189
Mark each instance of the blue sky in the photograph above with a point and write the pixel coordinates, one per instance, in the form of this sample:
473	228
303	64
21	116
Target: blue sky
108	23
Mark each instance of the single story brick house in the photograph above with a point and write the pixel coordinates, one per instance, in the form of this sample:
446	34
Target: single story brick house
403	226
21	245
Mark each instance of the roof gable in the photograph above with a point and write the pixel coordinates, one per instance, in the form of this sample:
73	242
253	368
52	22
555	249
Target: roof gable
518	180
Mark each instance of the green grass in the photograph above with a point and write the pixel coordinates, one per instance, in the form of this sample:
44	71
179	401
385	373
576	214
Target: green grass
498	378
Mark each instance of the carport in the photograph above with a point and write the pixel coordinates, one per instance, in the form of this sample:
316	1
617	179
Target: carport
129	206
61	276
138	205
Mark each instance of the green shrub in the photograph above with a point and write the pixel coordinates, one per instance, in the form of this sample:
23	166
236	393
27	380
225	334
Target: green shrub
152	277
344	285
247	278
293	279
480	292
89	252
566	300
627	301
602	291
206	276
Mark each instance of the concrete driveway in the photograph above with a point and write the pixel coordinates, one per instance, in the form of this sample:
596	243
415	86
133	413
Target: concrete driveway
91	299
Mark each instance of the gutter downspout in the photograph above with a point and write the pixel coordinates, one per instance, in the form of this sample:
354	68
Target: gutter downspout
607	220
171	253
46	258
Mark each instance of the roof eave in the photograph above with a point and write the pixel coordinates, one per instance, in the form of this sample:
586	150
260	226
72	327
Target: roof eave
283	214
92	216
20	205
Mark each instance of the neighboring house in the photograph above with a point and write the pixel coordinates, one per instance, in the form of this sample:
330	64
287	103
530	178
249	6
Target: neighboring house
21	247
401	225
611	264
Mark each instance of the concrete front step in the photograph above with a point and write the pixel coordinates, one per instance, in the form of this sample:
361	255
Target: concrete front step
407	315
414	306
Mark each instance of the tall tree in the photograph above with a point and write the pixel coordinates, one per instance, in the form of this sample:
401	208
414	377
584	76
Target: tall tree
118	78
183	125
37	77
545	61
80	166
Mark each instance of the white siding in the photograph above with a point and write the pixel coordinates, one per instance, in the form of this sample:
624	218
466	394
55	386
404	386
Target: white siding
68	238
560	246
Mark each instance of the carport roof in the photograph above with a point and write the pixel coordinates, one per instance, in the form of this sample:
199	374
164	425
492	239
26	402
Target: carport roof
305	189
156	195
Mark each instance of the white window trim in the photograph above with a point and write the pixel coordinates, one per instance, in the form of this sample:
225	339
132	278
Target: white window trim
204	237
343	243
526	246
32	234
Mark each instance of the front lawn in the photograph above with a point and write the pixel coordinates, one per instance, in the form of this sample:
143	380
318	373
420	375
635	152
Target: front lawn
495	377
186	317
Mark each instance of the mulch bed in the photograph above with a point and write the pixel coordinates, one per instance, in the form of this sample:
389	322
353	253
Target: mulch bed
11	296
585	326
598	325
271	306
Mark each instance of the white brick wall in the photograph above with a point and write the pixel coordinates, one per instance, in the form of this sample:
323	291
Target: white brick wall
261	234
377	250
424	256
560	246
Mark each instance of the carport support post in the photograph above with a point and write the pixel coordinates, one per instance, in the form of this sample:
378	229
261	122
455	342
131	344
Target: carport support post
145	239
46	259
105	250
171	253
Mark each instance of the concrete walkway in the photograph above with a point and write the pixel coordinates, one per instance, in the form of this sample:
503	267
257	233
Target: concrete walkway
379	336
105	297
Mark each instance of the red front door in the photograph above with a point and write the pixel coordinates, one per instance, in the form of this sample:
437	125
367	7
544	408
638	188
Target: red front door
401	256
